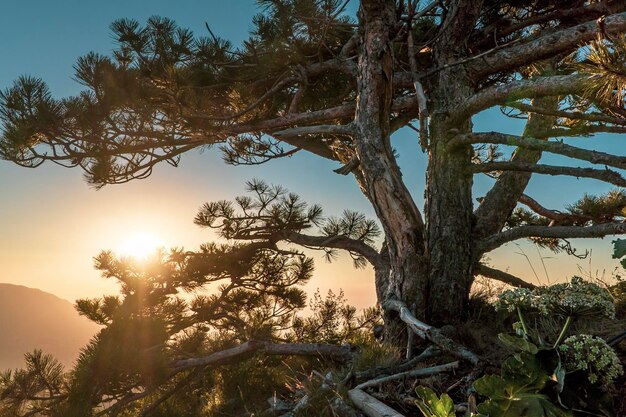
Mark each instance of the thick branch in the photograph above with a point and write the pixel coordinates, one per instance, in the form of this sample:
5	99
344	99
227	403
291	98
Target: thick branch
340	353
336	242
560	148
555	232
501	200
557	85
592	11
606	175
370	406
541	210
431	333
561	41
502	276
554	215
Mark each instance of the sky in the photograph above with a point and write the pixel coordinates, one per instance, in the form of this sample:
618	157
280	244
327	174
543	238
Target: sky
52	223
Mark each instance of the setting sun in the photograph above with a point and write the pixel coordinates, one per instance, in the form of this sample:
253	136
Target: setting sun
140	245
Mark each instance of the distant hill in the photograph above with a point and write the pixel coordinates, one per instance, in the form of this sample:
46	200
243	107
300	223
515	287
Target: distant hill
33	319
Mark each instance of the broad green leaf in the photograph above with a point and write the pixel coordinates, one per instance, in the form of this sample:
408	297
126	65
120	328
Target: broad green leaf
619	248
525	369
432	406
518	343
508	399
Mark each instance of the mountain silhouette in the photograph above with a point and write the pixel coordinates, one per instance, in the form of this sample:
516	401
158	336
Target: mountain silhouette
33	319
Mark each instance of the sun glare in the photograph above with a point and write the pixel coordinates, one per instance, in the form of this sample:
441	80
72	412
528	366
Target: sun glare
140	245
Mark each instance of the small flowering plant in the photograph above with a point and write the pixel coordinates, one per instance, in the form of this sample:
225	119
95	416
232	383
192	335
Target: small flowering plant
577	368
576	298
570	300
564	379
592	355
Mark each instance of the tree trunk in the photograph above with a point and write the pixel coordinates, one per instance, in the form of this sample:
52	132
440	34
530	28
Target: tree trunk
448	208
429	265
449	217
381	180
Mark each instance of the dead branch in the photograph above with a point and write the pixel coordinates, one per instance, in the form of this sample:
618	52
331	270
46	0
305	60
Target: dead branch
414	374
422	102
370	406
372	373
431	333
339	353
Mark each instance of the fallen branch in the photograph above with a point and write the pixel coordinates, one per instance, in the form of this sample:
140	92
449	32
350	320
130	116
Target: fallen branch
431	333
416	373
370	405
339	353
371	373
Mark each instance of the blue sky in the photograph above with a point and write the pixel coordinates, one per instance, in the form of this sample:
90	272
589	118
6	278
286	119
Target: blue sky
53	223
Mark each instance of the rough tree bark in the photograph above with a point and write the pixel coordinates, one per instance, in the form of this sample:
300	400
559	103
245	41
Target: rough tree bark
405	274
437	62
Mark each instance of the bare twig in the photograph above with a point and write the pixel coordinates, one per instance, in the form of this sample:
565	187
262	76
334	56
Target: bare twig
414	374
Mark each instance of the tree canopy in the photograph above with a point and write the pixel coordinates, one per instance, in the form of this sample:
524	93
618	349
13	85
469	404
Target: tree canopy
312	79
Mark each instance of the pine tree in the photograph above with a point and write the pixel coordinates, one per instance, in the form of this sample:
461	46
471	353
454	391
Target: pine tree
189	325
311	79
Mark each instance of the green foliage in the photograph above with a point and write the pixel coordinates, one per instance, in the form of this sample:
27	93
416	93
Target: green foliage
619	251
432	406
272	213
606	58
25	390
567	378
149	98
519	343
332	321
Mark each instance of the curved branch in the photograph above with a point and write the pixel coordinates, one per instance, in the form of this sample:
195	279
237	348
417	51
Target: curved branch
559	148
431	333
573	115
583	130
593	10
556	232
337	242
561	41
557	85
502	276
554	215
606	175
